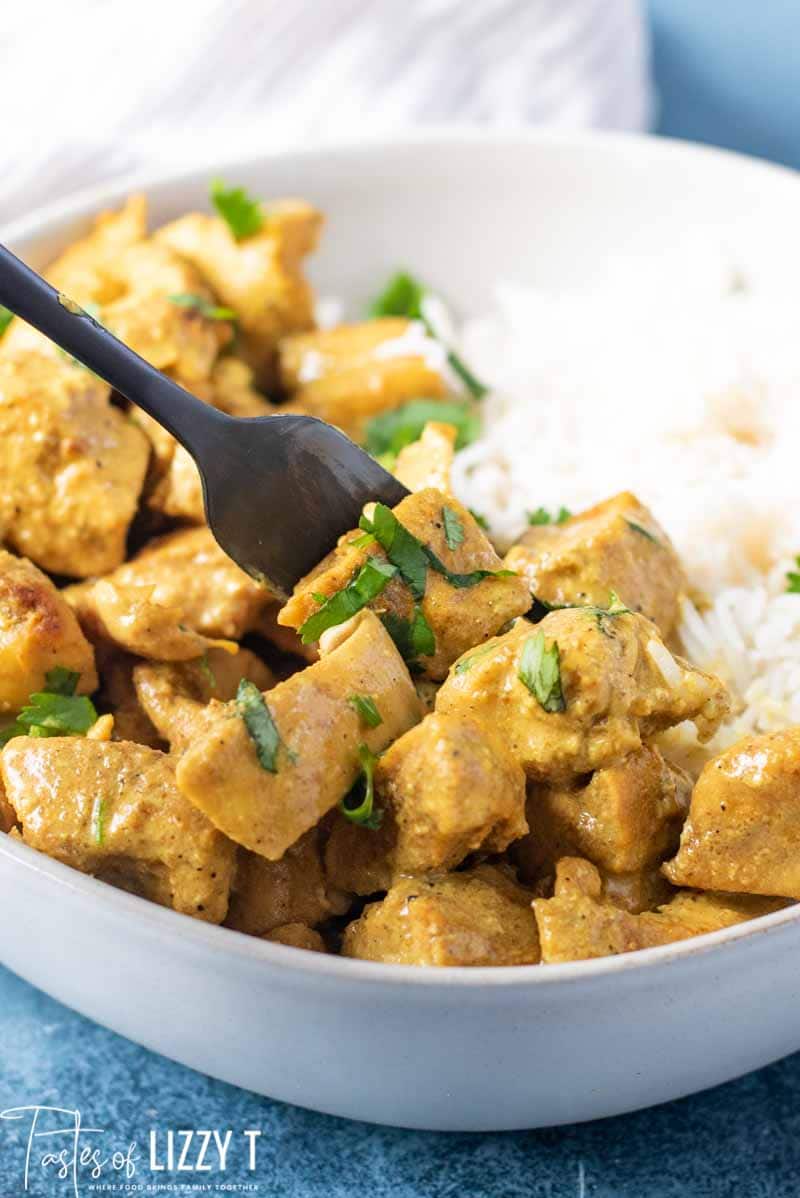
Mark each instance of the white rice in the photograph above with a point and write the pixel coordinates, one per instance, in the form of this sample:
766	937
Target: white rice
691	401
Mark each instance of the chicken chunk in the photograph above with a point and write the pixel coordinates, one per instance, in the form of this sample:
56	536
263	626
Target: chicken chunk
351	373
428	462
269	894
615	546
112	809
8	816
445	790
260	278
187	572
743	830
38	630
479	917
82	270
131	722
72	466
577	924
267	807
459	615
626	818
607	683
175	696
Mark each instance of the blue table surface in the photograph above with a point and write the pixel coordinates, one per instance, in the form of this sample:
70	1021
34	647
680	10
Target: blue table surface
726	74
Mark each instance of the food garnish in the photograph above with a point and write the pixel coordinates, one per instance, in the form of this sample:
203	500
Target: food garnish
335	609
645	532
205	307
366	709
542	516
243	215
98	820
540	671
260	724
793	579
392	431
453	528
359	805
5	319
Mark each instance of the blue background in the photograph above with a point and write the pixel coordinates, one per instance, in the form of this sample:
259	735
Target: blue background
726	71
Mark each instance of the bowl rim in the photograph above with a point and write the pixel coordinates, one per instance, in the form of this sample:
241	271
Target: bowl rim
196	934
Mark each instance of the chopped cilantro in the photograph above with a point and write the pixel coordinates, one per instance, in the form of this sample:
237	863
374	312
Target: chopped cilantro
392	431
361	590
479	519
642	531
5	319
207	672
466	663
57	714
453	528
61	681
540	671
98	820
414	638
476	388
199	304
542	516
242	214
793	579
367	711
359	805
260	724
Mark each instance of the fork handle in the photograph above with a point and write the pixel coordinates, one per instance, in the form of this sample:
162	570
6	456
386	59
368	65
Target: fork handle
27	295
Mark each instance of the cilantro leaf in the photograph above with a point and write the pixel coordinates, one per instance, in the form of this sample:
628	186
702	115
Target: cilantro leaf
98	820
413	638
199	304
205	669
392	431
400	546
466	663
5	319
793	580
479	519
540	671
361	590
476	388
461	581
359	805
367	711
453	528
260	724
242	214
402	296
645	532
542	516
47	714
61	681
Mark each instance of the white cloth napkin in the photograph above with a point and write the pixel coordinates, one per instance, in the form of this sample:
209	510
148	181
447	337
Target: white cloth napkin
98	88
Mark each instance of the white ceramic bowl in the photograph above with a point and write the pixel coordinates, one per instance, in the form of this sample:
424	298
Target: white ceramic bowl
450	1048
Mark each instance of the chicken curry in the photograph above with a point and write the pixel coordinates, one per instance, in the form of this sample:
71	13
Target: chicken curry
432	754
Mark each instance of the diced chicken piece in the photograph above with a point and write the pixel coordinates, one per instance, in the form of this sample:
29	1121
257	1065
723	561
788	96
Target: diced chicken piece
128	617
8	816
636	891
577	924
320	732
175	696
72	466
188	572
626	818
743	830
351	373
38	631
269	894
112	809
260	278
131	722
170	336
297	935
615	546
618	685
445	790
428	462
179	493
233	390
460	617
284	639
82	270
478	917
